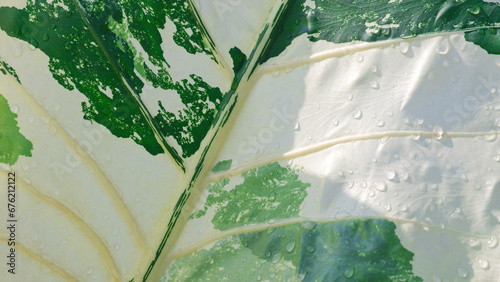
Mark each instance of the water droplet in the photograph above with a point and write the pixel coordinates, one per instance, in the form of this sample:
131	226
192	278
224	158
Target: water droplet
14	108
444	47
497	122
496	214
374	85
437	132
349	273
390	174
388	207
374	68
310	249
272	275
296	126
67	46
45	37
309	225
490	136
415	137
335	122
276	257
270	230
386	31
403	207
52	130
475	10
493	242
357	113
474	243
340	173
290	246
363	184
360	58
420	121
272	197
436	278
268	254
380	186
483	263
404	47
296	21
34	43
380	123
138	15
89	270
259	277
408	34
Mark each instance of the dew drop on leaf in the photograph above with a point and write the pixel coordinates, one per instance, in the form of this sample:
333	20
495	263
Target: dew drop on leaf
309	225
483	263
404	47
474	243
380	186
496	215
475	10
310	249
437	132
270	230
357	113
493	242
349	273
390	174
462	273
290	246
490	136
276	257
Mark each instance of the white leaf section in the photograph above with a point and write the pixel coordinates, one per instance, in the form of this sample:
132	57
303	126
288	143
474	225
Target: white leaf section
89	190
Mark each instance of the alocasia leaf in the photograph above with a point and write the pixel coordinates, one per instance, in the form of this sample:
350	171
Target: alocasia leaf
250	140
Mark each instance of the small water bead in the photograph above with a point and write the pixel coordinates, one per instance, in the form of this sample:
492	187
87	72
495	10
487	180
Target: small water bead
270	230
436	278
493	242
388	207
349	273
490	136
390	174
475	10
14	108
259	277
89	270
276	257
357	113
290	246
45	37
420	121
309	225
310	249
474	243
360	58
444	47
374	85
496	215
296	126
380	123
404	47
374	68
437	132
483	263
380	186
